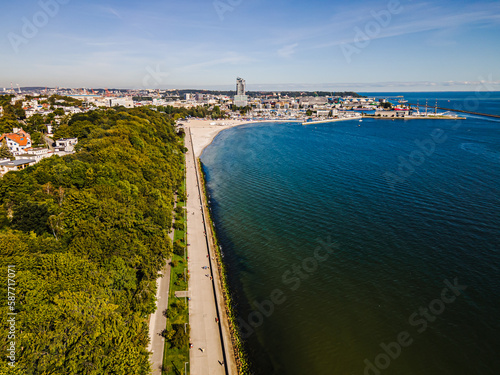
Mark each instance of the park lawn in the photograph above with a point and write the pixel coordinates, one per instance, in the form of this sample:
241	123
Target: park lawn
174	359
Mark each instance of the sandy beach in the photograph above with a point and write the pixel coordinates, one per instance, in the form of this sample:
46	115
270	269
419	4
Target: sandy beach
204	131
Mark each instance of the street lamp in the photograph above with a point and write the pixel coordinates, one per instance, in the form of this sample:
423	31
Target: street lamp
185	368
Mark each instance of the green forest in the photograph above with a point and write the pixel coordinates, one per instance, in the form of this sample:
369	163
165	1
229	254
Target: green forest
87	235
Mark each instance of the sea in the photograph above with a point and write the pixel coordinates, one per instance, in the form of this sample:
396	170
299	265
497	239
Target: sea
364	247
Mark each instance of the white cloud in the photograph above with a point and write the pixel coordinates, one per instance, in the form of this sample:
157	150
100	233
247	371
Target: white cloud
113	12
288	51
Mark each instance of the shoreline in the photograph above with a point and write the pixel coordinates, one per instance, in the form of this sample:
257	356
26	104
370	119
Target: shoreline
417	118
234	343
203	133
332	120
209	351
199	135
385	118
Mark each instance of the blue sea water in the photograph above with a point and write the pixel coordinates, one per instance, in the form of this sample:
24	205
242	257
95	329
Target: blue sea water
364	247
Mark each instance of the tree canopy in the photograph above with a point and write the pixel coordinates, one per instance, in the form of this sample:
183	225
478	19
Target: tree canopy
88	234
11	114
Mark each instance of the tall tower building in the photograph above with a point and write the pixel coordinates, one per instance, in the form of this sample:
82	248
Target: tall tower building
240	86
240	99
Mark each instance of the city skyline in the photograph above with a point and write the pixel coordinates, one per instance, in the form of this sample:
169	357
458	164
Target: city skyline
362	46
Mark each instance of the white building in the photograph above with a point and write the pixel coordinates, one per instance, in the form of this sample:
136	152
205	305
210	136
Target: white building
17	98
17	141
125	102
322	113
70	110
66	145
38	154
15	165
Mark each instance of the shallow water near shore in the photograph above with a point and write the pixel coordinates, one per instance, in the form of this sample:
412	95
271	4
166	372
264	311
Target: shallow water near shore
341	238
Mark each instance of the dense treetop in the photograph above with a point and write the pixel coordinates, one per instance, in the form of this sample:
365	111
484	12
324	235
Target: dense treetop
87	234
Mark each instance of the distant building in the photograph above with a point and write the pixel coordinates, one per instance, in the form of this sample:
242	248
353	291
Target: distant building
15	165
392	113
126	102
200	98
240	99
38	154
66	145
240	86
17	141
313	100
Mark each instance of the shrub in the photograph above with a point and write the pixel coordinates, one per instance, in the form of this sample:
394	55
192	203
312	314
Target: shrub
178	248
169	313
179	225
168	335
180	338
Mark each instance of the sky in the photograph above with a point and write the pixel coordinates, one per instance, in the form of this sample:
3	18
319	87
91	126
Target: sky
359	45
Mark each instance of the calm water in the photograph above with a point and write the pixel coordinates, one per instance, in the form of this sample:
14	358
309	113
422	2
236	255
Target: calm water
401	207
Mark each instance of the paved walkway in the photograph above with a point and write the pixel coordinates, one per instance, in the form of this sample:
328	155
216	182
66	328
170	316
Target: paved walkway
158	322
212	350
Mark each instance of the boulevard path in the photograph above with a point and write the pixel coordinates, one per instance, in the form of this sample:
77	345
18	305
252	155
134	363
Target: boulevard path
212	351
158	322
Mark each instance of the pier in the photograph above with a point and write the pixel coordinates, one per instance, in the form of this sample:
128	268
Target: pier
457	110
331	120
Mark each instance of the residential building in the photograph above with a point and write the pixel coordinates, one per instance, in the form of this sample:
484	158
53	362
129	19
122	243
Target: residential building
126	102
240	86
38	154
66	145
15	165
17	141
240	99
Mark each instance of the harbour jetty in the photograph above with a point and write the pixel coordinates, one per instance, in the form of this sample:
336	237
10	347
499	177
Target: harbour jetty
331	120
389	116
430	116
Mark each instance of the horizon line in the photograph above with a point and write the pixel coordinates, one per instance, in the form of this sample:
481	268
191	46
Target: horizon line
249	90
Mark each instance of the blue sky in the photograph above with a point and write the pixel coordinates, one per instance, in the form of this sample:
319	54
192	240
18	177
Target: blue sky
395	45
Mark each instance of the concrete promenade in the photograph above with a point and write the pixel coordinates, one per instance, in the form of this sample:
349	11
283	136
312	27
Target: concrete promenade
212	349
